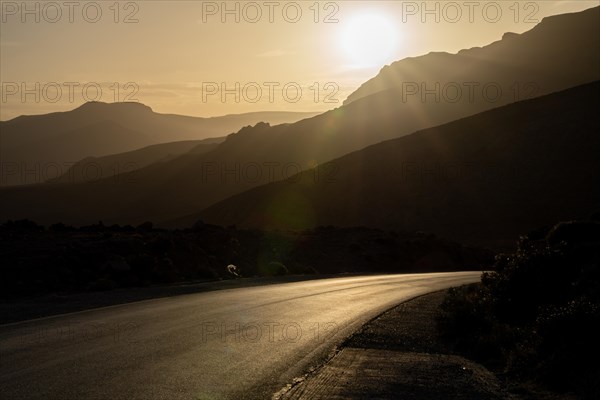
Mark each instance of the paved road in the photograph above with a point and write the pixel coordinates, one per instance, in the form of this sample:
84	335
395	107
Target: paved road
242	343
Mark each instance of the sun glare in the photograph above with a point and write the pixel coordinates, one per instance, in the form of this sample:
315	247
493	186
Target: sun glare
370	39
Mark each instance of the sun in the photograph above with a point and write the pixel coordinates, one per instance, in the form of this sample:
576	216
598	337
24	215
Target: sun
370	39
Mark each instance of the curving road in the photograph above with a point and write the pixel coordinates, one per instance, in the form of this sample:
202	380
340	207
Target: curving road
243	343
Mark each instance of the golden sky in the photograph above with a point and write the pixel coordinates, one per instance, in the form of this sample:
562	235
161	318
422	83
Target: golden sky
180	56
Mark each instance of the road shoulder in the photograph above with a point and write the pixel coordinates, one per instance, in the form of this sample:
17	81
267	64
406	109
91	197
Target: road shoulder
398	355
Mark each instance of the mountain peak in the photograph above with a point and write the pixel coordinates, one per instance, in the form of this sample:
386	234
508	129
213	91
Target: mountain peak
99	106
509	35
259	127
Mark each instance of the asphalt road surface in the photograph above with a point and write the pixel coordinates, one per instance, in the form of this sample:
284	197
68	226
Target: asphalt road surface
244	343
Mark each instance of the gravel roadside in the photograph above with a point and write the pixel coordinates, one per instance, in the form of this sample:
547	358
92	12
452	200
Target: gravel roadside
398	355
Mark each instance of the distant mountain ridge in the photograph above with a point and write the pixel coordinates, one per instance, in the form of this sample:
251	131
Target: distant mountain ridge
37	145
95	168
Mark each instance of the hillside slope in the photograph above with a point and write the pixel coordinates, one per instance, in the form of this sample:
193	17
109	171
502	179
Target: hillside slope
483	179
95	168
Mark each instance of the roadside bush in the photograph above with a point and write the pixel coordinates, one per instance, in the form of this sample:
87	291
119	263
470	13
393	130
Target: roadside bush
568	345
536	316
273	268
102	284
23	225
466	324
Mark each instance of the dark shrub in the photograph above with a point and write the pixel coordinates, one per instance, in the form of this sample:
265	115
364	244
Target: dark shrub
568	341
537	315
23	225
60	227
146	226
103	284
465	322
574	232
273	268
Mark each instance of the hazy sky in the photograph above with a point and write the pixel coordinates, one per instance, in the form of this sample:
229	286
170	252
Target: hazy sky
177	56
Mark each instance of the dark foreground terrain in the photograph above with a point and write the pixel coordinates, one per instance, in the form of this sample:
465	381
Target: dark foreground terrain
65	260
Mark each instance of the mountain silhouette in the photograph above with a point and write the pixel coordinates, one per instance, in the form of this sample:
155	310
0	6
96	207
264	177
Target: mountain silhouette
262	153
94	168
559	52
37	145
484	179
